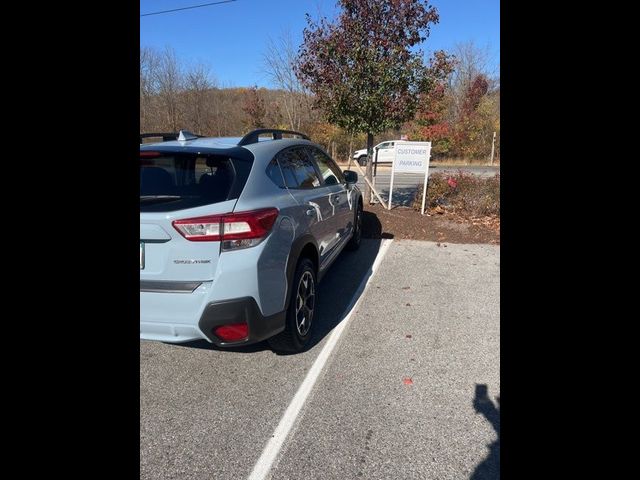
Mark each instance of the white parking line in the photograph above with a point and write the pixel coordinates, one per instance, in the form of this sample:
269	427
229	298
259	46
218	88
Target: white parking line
273	447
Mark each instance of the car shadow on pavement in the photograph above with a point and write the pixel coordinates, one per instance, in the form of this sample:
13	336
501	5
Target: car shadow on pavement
489	469
204	345
340	286
336	291
371	226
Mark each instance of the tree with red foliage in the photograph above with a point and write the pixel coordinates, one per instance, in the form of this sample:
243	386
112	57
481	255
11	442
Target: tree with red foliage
470	134
431	122
364	69
478	89
254	107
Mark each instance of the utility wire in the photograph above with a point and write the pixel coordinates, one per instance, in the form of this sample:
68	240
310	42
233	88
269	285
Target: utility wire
186	8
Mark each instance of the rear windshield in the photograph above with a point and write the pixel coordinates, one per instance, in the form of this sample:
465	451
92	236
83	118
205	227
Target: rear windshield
177	181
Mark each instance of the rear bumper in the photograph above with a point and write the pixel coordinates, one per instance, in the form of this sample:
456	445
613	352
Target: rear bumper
240	310
216	313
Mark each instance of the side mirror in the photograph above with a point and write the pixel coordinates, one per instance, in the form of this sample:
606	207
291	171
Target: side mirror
350	176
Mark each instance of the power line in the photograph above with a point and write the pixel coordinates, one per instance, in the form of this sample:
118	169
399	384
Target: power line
186	8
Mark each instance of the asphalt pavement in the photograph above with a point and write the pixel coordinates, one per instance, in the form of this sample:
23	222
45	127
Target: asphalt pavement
409	391
397	400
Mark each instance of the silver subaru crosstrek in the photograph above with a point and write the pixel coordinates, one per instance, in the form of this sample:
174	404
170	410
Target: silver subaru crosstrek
236	233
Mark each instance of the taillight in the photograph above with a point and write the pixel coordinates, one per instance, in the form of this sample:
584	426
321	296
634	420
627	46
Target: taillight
232	333
199	229
234	230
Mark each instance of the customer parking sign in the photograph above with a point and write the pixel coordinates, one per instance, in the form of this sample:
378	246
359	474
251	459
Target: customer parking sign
411	157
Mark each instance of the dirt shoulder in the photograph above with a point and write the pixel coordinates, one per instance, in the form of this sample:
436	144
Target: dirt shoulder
406	223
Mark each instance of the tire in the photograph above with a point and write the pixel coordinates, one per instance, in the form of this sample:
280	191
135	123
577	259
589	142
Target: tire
362	161
354	242
300	312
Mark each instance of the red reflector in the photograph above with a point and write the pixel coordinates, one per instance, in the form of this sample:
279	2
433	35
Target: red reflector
149	154
232	333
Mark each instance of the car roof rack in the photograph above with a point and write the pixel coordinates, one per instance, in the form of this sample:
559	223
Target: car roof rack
253	136
182	136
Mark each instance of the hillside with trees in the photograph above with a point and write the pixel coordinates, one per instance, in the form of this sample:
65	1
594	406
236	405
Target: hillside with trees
458	116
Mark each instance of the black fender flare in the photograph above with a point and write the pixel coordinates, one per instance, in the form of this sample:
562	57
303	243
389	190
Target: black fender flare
297	247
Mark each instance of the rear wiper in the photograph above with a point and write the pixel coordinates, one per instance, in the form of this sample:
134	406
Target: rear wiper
159	198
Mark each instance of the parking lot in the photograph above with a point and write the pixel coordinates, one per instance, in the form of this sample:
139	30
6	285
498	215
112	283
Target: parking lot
409	389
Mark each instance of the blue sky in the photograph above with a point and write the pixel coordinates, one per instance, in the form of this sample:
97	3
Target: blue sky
230	38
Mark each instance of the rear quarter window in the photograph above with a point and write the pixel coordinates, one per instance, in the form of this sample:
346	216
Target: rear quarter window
275	174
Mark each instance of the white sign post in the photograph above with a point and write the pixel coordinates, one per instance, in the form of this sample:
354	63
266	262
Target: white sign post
411	157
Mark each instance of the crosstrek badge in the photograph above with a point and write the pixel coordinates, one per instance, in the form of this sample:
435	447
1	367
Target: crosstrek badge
189	262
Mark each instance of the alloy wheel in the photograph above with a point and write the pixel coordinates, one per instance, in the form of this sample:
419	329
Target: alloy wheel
305	303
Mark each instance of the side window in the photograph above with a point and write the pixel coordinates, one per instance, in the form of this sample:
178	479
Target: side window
331	173
297	169
274	173
384	145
